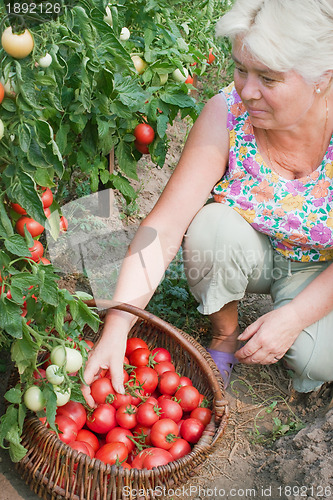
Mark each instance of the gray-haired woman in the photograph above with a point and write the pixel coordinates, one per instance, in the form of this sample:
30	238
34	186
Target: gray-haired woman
264	147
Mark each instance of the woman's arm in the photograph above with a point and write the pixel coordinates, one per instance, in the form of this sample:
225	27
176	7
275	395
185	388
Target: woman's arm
273	334
201	165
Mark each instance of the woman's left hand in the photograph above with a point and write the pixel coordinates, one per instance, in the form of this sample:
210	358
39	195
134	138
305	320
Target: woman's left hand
270	336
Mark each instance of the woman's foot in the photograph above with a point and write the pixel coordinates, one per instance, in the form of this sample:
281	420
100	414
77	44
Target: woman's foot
225	362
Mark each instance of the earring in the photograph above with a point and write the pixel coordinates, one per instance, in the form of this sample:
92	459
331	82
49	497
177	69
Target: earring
318	90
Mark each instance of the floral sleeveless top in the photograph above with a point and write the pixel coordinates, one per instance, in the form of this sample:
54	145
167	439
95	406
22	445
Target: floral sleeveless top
297	215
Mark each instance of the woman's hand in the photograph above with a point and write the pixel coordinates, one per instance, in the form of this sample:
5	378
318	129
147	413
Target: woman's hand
108	353
270	336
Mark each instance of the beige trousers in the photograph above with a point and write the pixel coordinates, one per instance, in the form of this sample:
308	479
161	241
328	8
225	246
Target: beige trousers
224	257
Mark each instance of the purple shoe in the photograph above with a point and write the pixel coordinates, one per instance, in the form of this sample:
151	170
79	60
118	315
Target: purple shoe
225	362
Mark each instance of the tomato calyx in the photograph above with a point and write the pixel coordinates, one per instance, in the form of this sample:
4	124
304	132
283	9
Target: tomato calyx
139	441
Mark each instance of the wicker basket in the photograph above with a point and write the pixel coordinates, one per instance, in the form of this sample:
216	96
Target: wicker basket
55	471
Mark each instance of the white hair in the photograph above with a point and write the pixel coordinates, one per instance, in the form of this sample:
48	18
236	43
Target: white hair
284	34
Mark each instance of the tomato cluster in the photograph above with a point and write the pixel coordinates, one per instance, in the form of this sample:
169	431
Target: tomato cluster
158	419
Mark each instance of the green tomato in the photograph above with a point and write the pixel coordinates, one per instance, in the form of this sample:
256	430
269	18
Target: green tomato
178	75
45	61
125	34
33	398
52	375
63	396
164	78
68	357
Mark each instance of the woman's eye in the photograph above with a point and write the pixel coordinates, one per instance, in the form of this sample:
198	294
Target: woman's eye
240	70
268	80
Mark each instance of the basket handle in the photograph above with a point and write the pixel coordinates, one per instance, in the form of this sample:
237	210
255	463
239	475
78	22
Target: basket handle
174	332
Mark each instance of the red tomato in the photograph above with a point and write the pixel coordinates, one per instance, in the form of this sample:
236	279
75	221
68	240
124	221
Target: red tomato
120	435
126	416
47	198
134	343
36	251
63	224
88	437
102	391
151	400
188	397
189	79
33	227
142	433
103	419
164	366
211	57
202	414
121	399
80	446
139	357
2	92
18	209
137	393
47	212
185	381
39	374
148	414
144	133
164	433
168	383
191	430
67	428
147	377
74	410
156	457
170	409
44	261
111	453
161	354
143	148
180	448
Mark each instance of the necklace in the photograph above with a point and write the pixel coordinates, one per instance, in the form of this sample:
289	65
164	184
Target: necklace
321	147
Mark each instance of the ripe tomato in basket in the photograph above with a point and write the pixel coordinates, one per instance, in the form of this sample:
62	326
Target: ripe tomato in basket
168	383
170	409
164	366
110	453
126	416
67	428
139	357
121	435
151	457
74	410
102	419
147	377
202	414
148	414
192	430
180	448
164	433
102	390
188	397
88	437
134	343
160	354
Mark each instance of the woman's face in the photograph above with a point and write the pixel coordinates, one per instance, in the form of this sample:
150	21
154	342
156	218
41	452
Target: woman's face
274	100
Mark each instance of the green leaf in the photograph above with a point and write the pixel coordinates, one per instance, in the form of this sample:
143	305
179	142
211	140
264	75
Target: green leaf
23	191
14	395
10	318
180	100
48	287
35	155
126	160
5	220
17	246
7	420
123	185
23	353
16	450
61	137
51	405
24	135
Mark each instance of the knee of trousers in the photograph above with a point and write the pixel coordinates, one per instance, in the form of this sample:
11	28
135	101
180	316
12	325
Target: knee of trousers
310	357
216	247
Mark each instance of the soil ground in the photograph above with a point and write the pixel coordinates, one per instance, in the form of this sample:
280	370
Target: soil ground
262	454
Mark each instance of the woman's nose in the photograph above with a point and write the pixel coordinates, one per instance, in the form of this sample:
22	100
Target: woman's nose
250	89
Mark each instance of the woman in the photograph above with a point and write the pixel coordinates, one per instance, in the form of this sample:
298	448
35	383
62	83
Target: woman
266	145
